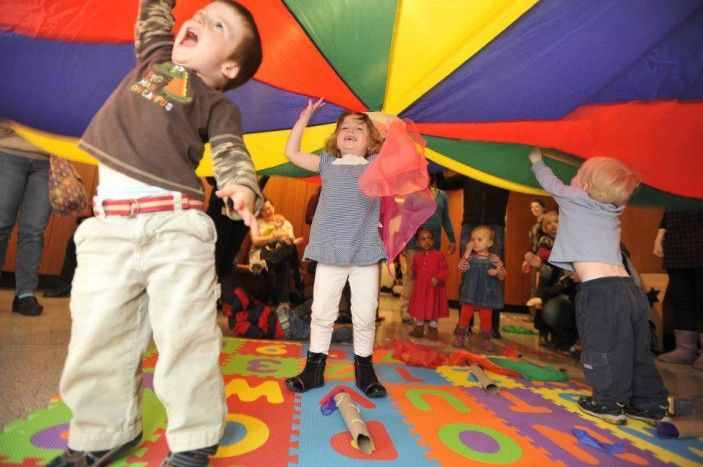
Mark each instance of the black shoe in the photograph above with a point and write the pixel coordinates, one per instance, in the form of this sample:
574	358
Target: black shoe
313	375
651	415
71	458
611	413
366	379
63	291
194	458
495	334
28	306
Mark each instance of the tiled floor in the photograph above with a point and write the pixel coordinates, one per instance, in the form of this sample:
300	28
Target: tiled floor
32	352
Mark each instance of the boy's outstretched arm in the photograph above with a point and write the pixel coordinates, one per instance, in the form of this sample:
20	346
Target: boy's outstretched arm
302	159
535	155
546	178
154	27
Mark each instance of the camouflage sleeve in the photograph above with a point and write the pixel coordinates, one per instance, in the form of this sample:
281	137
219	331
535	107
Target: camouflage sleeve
232	165
154	26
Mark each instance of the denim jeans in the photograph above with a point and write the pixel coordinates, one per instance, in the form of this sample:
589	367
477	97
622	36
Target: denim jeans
612	316
24	191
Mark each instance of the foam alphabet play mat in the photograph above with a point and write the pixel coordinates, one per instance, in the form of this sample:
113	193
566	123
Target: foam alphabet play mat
430	417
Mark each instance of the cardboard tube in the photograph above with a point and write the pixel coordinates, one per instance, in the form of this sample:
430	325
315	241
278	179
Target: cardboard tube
680	427
486	383
355	424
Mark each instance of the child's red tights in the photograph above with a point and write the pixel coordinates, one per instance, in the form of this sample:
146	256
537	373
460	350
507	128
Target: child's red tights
467	311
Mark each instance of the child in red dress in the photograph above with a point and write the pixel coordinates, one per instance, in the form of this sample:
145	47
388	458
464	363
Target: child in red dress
428	301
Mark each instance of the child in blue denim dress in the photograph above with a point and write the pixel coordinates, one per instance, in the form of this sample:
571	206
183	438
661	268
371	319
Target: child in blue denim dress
481	288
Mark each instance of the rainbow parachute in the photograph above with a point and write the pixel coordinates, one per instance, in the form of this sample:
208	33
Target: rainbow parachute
483	81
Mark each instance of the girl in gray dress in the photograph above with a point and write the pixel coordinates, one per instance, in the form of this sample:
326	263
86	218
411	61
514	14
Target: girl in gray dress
345	242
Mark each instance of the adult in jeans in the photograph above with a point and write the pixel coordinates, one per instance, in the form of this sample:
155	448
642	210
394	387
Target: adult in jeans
24	198
484	204
680	242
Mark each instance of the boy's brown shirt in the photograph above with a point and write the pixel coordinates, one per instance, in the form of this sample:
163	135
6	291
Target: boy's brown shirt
154	126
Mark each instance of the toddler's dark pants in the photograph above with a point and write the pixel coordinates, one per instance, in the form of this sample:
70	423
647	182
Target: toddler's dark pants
612	316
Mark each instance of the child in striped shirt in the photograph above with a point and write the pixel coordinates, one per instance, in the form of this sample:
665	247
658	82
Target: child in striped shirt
345	242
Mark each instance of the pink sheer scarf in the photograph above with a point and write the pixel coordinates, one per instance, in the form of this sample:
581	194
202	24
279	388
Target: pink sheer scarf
399	177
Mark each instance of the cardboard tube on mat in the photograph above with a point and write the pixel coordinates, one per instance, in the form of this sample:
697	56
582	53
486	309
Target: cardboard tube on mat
486	383
355	424
680	427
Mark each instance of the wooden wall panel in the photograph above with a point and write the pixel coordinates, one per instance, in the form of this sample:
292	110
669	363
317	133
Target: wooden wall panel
639	228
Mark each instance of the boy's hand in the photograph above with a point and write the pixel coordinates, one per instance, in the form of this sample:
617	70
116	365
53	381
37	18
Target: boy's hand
310	108
241	199
535	155
434	281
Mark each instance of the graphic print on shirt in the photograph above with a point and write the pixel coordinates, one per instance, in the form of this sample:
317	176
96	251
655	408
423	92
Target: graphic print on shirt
162	85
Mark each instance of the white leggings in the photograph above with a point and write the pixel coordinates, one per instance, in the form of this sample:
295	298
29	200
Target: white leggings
329	282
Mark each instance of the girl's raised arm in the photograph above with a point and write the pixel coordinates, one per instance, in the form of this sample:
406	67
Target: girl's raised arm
302	159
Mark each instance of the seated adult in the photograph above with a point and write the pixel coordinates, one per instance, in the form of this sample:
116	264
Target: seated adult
556	291
273	254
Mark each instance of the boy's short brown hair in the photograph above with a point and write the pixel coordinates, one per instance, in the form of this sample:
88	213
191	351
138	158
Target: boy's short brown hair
608	180
375	138
248	53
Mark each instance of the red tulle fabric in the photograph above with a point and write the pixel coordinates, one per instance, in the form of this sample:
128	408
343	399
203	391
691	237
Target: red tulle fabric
399	176
428	357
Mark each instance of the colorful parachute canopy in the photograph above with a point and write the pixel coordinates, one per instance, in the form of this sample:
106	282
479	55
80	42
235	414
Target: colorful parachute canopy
483	81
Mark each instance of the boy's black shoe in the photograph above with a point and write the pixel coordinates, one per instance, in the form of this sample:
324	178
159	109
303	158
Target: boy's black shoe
28	306
71	458
651	415
194	458
611	413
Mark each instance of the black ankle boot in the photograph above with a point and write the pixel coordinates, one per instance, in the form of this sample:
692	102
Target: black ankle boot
313	375
366	379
